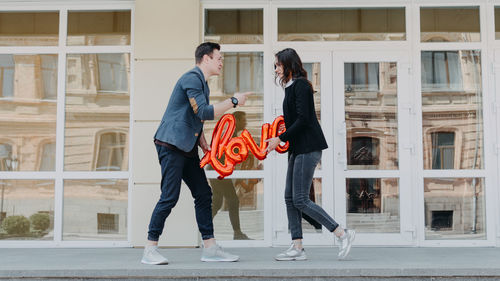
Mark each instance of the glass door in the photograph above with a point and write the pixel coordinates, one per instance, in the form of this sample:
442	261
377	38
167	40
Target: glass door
372	151
318	67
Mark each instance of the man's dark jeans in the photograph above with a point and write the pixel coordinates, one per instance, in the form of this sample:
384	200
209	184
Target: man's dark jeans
298	183
176	167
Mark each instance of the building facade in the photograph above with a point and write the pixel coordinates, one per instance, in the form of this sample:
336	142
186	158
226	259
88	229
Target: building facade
405	91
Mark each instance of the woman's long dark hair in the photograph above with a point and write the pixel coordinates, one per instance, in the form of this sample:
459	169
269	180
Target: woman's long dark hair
292	66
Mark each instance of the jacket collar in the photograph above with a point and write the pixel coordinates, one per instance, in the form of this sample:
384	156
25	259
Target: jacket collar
197	69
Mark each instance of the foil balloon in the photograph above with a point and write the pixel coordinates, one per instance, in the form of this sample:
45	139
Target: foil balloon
235	149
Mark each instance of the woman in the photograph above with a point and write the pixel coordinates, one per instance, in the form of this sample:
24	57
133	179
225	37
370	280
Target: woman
306	139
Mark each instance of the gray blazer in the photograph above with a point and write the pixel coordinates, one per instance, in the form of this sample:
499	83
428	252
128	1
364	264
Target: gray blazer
187	108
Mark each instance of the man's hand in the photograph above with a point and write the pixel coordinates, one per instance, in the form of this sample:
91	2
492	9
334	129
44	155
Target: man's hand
223	106
272	144
242	97
203	143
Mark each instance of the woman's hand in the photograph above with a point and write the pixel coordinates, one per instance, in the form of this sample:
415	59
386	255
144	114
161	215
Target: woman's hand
272	143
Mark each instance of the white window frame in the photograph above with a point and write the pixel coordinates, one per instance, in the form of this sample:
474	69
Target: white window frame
59	175
267	111
413	47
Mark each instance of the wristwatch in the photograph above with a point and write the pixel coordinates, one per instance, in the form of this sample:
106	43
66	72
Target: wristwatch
234	101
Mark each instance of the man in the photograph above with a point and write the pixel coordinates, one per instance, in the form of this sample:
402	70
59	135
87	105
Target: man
176	141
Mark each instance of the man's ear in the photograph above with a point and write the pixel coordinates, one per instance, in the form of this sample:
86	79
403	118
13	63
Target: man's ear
205	58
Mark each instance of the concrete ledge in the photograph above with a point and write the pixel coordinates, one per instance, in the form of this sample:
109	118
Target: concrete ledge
255	264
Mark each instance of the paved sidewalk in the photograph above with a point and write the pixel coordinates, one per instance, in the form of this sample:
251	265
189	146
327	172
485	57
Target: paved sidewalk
255	264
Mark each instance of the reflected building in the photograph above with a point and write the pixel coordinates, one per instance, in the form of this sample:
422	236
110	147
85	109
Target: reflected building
452	139
96	128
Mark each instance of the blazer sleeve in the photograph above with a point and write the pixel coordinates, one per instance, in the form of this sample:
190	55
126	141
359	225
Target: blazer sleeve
303	107
194	90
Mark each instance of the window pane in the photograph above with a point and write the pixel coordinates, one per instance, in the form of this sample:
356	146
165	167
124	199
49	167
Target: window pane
450	24
6	158
111	152
370	92
28	87
373	204
242	72
49	76
348	24
97	103
99	28
238	208
26	209
497	22
313	70
48	157
234	26
95	209
454	208
7	76
29	29
452	110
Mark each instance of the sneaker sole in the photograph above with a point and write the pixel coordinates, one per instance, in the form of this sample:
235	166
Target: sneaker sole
154	263
219	260
291	259
348	248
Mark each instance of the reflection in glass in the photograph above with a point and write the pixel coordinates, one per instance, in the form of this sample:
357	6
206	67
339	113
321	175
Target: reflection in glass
449	24
97	112
6	157
234	26
99	28
242	72
452	110
28	91
371	115
238	208
7	76
443	150
314	76
309	225
49	76
454	208
345	24
313	70
95	209
29	29
26	209
111	151
373	204
497	22
48	156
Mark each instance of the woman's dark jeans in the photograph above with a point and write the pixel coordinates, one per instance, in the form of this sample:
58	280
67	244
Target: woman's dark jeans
298	182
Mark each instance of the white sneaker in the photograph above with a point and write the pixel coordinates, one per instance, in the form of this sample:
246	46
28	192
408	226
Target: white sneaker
292	254
215	253
152	256
345	243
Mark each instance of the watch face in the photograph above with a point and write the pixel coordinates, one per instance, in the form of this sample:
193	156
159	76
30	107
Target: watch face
234	100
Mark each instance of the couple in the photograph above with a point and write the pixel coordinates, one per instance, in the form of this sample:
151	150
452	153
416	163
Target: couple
181	131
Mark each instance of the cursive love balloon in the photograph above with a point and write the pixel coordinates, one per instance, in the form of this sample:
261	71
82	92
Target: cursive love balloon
222	143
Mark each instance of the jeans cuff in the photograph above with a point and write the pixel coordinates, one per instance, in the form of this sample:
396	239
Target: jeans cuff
298	237
150	238
207	236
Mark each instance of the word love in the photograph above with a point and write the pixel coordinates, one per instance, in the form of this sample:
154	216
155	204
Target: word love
222	142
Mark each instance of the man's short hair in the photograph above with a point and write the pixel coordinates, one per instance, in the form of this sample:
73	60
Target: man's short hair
206	48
